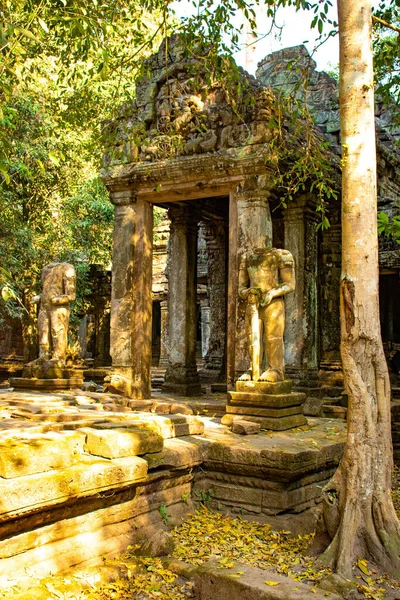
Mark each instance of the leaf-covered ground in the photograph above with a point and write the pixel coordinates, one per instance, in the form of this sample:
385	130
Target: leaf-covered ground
230	541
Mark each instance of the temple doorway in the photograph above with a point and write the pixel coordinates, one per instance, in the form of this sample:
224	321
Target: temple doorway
196	302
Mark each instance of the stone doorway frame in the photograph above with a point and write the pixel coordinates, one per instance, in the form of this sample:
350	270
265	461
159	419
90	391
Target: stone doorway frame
248	183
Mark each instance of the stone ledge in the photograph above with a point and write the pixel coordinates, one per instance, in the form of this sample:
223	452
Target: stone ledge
38	452
261	400
90	476
28	383
264	387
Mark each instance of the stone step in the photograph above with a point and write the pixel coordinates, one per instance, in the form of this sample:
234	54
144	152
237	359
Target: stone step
334	412
332	400
332	390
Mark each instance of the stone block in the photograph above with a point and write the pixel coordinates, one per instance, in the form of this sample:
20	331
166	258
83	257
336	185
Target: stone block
181	409
28	383
312	407
273	423
168	427
88	477
176	454
38	453
229	493
266	400
259	411
212	582
275	502
264	387
243	427
89	386
118	443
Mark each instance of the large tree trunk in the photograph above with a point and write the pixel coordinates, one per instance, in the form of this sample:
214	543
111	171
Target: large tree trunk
358	509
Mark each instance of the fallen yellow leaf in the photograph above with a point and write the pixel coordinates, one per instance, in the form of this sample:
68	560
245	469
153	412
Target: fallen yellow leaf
272	582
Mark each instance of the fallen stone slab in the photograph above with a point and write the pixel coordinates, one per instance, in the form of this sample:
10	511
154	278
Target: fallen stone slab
118	443
243	427
212	580
170	426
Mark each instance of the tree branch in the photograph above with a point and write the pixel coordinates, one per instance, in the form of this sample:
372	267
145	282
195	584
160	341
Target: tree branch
385	23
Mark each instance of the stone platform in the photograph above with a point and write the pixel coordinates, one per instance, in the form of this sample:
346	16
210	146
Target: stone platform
31	383
82	475
272	405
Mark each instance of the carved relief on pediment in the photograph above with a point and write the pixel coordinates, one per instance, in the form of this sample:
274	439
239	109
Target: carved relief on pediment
179	115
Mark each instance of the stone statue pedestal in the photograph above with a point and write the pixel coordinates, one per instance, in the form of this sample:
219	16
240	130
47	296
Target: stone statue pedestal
272	405
48	376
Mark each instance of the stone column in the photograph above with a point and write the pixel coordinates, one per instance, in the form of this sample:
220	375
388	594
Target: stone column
131	303
216	237
329	279
164	334
205	328
181	376
301	333
250	219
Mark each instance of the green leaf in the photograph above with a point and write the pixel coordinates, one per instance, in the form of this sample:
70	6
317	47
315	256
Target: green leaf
7	293
54	159
43	25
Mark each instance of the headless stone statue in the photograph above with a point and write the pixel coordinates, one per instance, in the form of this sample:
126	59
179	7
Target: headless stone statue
264	278
58	290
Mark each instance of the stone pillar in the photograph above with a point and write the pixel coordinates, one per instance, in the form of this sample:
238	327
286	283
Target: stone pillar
164	334
301	333
216	238
329	279
205	329
181	376
131	303
250	227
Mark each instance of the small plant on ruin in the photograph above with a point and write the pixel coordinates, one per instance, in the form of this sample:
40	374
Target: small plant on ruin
206	497
163	513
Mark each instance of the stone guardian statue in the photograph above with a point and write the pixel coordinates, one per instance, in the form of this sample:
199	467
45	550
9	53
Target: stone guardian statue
58	290
264	278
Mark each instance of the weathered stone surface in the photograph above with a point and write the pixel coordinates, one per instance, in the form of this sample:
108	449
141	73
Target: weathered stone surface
28	383
161	543
212	582
263	387
181	409
37	453
89	476
230	494
259	411
89	386
176	454
266	400
274	423
243	427
118	443
312	407
168	427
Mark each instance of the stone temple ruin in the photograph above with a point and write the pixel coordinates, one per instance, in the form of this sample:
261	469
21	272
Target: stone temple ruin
86	469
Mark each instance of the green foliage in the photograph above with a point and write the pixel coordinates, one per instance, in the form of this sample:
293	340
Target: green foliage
62	66
206	497
389	228
387	56
163	513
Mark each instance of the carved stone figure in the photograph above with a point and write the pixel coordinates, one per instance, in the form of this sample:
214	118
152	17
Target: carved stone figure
264	278
58	290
